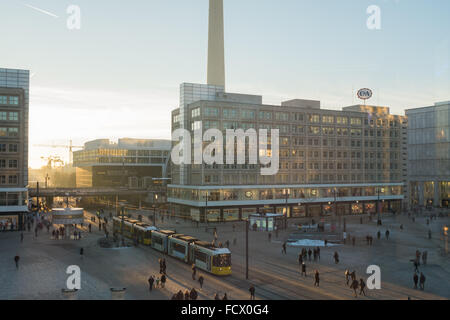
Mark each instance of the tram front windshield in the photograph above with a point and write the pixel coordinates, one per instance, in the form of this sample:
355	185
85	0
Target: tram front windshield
222	260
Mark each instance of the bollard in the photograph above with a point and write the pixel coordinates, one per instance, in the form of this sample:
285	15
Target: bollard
118	293
69	294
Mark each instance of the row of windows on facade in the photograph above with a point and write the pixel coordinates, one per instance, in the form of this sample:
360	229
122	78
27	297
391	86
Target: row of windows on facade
12	163
228	113
9	116
11	147
9	132
295	129
9	100
299	178
13	179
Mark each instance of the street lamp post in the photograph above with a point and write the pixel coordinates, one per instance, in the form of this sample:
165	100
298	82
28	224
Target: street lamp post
247	226
154	215
379	223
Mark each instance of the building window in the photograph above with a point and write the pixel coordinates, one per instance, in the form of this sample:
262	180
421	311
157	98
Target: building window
13	148
195	113
314	118
3	132
12	179
3	116
13	116
13	163
2	179
355	121
2	147
2	163
13	132
13	100
327	119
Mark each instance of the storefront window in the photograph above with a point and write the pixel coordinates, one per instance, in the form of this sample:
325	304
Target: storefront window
231	214
213	215
357	208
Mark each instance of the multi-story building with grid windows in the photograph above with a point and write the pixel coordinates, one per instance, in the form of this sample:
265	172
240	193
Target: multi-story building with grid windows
356	156
14	89
342	162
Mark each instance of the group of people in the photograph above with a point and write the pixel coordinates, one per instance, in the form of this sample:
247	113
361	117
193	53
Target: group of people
157	282
418	276
187	295
306	254
355	284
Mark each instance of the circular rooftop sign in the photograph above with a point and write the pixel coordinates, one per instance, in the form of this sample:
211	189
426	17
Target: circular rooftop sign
364	94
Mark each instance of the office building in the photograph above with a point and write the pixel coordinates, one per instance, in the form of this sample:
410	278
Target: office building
429	155
14	106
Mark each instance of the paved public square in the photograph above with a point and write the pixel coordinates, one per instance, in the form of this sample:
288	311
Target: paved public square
43	262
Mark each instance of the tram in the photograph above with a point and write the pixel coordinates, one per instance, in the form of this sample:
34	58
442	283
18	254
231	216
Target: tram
134	229
188	249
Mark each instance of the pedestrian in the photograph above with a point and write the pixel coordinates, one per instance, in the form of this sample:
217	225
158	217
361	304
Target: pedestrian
200	280
90	228
387	234
193	294
303	269
164	265
283	250
353	275
160	266
336	257
415	279
318	253
16	260
187	295
315	254
270	236
81	253
194	271
309	254
354	286
300	259
252	292
347	276
378	234
225	297
422	281
157	282
316	278
424	257
163	280
180	295
21	237
401	227
216	297
362	285
151	280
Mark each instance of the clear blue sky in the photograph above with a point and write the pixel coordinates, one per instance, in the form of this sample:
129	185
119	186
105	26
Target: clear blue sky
119	75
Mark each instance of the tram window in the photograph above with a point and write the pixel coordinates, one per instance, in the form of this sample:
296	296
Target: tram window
222	260
201	256
157	240
178	247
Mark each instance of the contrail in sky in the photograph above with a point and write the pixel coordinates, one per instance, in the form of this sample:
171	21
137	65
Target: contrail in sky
42	11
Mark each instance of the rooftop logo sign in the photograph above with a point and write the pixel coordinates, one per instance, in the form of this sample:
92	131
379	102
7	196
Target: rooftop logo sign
364	94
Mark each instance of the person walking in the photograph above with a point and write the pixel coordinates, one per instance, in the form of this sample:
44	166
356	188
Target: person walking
422	281
362	286
303	269
300	259
187	295
151	280
336	257
415	279
164	266
270	237
160	266
387	234
200	280
283	248
318	253
309	254
225	297
194	271
316	278
16	260
216	297
21	237
347	276
163	280
378	235
252	292
424	257
416	265
90	228
354	286
81	253
193	294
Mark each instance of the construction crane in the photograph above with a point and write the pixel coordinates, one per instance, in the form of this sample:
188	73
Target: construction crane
70	147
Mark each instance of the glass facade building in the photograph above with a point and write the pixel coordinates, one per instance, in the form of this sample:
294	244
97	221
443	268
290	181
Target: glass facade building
14	108
429	155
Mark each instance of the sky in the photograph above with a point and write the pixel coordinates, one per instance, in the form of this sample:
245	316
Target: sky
119	74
